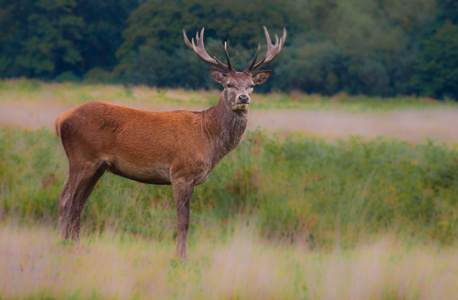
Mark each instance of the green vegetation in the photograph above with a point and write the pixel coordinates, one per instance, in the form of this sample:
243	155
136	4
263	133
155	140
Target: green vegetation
22	90
299	190
438	59
373	47
61	39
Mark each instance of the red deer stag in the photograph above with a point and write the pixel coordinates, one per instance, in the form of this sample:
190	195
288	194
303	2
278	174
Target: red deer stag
180	148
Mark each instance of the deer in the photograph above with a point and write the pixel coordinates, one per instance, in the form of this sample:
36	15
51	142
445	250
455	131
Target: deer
178	148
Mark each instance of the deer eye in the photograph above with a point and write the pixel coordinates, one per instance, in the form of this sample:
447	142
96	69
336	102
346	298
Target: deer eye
252	85
230	85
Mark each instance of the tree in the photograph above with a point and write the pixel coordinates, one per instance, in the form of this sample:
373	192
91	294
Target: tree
104	22
47	35
45	38
157	25
374	47
437	66
448	11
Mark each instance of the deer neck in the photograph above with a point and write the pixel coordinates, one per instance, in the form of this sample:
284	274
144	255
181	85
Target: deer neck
223	128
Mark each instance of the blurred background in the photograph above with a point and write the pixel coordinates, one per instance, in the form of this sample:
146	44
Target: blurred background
371	47
344	186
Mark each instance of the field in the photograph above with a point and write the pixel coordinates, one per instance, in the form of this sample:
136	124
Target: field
243	266
293	213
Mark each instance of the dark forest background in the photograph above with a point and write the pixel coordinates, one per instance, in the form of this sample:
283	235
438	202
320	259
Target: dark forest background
371	47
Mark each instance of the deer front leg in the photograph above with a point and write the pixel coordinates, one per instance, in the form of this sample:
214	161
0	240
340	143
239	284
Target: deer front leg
182	191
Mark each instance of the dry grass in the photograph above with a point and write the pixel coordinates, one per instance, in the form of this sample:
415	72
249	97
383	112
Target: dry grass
34	263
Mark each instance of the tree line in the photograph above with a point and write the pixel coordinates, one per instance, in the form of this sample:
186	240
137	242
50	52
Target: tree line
371	47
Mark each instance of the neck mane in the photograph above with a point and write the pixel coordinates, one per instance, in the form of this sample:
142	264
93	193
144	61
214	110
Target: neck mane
223	127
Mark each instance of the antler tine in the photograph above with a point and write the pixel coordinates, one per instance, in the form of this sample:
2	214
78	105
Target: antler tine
199	38
227	56
266	33
202	53
187	41
272	50
254	60
283	38
221	65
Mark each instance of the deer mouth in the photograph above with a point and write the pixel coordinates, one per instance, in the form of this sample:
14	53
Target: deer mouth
242	106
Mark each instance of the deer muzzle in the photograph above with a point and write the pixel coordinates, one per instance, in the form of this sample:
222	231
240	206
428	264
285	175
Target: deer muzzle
243	101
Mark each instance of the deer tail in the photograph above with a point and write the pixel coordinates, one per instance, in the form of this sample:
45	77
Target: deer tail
57	126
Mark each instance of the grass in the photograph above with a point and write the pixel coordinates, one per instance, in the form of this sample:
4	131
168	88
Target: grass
294	217
242	266
301	190
78	93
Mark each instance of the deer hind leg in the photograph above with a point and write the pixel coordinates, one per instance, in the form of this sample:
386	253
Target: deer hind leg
80	183
182	192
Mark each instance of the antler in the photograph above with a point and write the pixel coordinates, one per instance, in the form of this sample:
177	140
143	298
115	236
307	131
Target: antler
202	53
272	51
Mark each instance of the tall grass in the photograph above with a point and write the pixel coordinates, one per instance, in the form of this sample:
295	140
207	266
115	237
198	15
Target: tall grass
35	265
298	190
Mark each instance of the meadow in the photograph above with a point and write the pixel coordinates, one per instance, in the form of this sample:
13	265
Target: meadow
77	93
281	217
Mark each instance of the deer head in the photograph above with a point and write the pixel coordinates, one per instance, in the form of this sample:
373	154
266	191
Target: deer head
238	86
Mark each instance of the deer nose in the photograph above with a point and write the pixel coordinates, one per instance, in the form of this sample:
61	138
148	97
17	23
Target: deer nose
244	98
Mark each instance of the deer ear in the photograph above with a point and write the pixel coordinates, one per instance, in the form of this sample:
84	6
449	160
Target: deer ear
261	76
217	75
